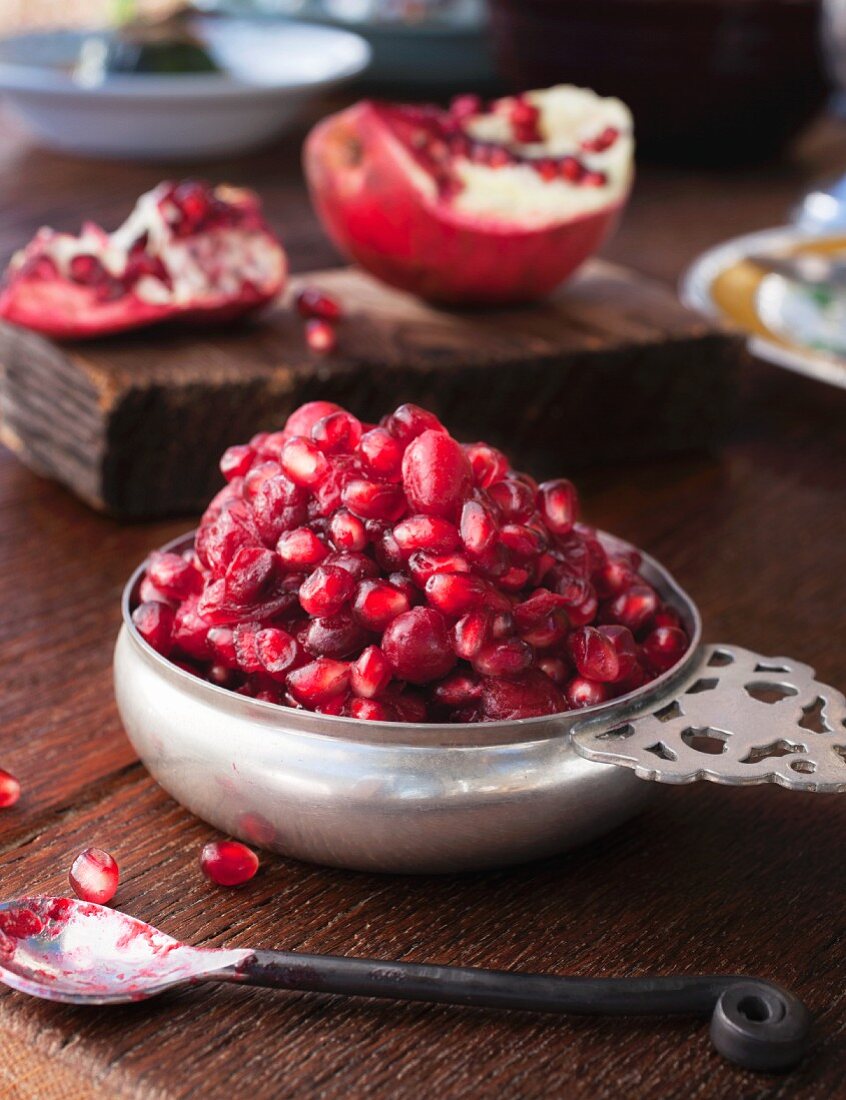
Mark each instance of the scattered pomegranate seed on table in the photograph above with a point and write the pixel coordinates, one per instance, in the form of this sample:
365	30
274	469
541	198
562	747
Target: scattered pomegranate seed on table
228	862
390	573
10	790
94	876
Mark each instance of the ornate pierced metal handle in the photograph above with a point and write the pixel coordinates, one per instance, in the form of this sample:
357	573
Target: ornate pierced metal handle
736	718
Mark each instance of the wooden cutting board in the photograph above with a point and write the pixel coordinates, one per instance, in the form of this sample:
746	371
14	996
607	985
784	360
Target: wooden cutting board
611	368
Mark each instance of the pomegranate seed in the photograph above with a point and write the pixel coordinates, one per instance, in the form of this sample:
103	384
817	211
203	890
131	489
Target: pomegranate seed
602	141
221	641
594	179
337	433
321	336
417	645
374	500
303	462
369	710
457	690
336	636
625	647
556	669
347	531
174	576
487	463
377	603
228	862
472	632
634	608
301	548
303	419
436	474
523	542
251	574
515	499
579	597
572	169
525	696
455	593
319	681
312	302
426	533
335	706
276	651
246	651
190	630
463	107
357	565
664	647
326	591
409	421
371	673
424	565
614	577
559	505
667	616
508	658
381	453
593	654
236	461
478	528
585	693
154	622
10	790
94	876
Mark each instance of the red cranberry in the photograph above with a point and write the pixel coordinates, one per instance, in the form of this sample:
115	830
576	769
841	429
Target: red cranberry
94	876
321	336
664	647
228	862
312	302
436	475
585	693
154	622
417	645
10	790
371	673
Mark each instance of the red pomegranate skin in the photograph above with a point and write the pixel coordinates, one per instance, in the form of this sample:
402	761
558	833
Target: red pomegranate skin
361	188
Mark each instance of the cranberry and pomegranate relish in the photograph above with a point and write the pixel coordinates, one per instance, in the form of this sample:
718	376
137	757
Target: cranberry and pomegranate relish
187	250
391	573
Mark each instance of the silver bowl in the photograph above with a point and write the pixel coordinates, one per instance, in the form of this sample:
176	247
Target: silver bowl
381	796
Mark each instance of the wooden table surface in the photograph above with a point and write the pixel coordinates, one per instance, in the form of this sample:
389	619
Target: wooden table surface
709	879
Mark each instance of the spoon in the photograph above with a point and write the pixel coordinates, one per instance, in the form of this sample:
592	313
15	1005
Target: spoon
80	953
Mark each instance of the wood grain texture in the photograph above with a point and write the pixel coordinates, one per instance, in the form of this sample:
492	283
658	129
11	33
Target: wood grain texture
134	424
707	878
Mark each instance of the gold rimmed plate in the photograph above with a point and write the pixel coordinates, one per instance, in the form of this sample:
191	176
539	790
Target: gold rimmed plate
798	326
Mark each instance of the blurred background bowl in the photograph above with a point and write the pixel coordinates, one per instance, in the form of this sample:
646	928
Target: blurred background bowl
268	71
707	80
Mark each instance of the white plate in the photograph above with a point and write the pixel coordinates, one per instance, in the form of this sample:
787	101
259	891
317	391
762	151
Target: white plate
269	69
798	320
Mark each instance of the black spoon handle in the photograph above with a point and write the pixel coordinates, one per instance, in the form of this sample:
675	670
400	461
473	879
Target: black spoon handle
754	1023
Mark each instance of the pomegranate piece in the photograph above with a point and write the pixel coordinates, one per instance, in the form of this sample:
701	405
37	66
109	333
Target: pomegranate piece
344	563
418	647
187	251
436	475
94	876
313	302
493	203
10	790
228	862
321	336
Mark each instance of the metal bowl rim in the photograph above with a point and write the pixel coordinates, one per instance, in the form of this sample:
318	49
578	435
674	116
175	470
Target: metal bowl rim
428	733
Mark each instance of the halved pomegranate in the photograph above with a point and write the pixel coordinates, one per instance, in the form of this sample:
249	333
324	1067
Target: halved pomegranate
187	251
475	204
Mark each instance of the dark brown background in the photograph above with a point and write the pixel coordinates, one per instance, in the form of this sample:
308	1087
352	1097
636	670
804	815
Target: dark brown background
709	879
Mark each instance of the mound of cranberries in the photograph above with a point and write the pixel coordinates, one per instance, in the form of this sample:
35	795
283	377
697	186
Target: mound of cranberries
392	573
